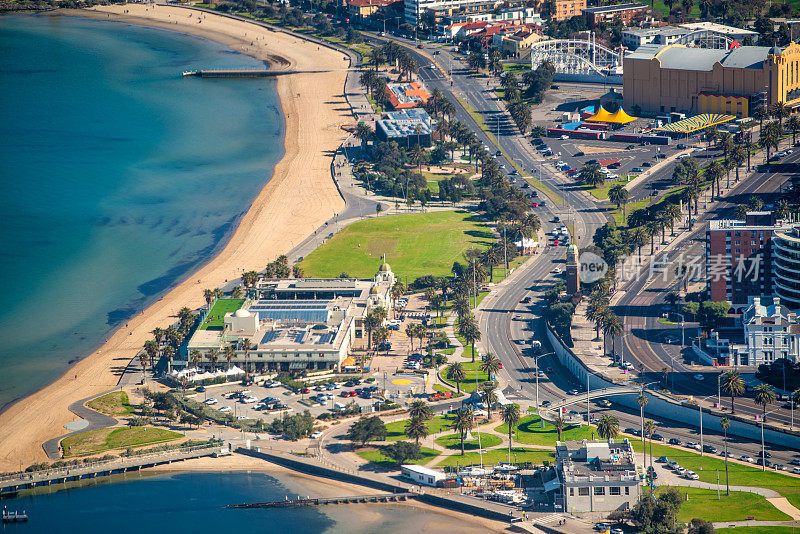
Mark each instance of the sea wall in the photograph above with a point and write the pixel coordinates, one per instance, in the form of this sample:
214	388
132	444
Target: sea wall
662	406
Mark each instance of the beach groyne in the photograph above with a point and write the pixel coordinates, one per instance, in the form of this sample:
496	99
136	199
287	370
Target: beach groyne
384	482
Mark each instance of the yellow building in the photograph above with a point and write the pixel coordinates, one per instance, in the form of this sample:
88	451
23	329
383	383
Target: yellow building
566	9
662	79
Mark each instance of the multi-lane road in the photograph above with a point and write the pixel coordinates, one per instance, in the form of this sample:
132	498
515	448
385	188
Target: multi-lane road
499	329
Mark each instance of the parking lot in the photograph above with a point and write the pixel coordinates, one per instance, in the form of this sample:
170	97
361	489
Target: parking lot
267	403
578	152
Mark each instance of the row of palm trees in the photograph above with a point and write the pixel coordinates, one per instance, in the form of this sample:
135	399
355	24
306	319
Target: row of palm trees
599	312
167	341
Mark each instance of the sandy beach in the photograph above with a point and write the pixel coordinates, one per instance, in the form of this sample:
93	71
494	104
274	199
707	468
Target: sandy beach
299	197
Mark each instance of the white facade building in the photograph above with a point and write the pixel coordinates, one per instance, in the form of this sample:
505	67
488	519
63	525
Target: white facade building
422	475
633	38
771	332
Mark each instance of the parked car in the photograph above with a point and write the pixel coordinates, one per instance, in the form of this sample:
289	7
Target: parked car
691	475
315	435
211	402
657	437
675	441
699	377
745	458
226	409
662	460
710	448
637	169
546	403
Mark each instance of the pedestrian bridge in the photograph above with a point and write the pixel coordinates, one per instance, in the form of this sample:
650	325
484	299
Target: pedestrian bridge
551	411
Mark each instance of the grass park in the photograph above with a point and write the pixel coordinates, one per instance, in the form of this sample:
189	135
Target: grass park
414	244
396	430
495	456
114	403
737	506
739	475
758	530
471	372
377	457
453	441
530	432
106	439
216	316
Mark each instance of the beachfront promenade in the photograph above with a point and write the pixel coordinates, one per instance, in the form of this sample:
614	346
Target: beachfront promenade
19	481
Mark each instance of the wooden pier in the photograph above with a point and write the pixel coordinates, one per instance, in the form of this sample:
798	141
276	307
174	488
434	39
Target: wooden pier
13	483
358	499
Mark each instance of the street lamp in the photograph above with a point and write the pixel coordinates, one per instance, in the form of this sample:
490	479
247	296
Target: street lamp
699	403
536	364
763	457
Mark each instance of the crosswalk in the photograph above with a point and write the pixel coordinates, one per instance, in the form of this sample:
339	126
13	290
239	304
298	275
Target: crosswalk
548	519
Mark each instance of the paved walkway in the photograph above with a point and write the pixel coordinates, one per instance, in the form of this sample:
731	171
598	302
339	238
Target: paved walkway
670	478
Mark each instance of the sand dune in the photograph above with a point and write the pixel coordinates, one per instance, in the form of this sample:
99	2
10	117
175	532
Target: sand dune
298	198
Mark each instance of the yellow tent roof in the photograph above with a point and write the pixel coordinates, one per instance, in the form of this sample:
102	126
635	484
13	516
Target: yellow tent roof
620	117
348	361
601	116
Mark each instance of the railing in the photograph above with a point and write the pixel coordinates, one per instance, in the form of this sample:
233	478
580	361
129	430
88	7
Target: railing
121	461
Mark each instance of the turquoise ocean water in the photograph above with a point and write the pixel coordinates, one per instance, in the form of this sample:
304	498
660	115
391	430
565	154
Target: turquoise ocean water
119	178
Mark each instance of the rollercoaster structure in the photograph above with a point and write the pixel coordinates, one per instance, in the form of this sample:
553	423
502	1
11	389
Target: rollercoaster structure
588	58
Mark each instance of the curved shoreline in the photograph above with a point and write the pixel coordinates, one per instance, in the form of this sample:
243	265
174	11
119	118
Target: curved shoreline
299	196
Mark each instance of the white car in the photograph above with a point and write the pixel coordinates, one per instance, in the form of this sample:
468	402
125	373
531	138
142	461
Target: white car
613	177
564	137
249	400
557	270
316	434
747	459
691	475
604	170
680	470
564	230
211	402
226	409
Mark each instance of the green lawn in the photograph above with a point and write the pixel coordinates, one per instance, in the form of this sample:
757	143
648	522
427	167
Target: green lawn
738	506
471	371
453	441
739	475
396	430
530	432
601	192
376	456
114	403
758	530
115	438
216	315
414	245
629	208
495	456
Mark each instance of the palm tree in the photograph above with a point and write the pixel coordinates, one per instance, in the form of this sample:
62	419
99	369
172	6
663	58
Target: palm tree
763	395
143	359
641	400
714	173
649	428
769	137
212	356
591	175
559	423
229	353
456	373
463	424
411	333
420	409
733	385
490	365
619	196
737	158
794	126
246	346
371	322
209	295
725	423
468	329
194	357
779	110
608	427
595	312
417	428
489	396
510	415
612	326
760	114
